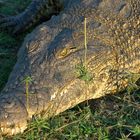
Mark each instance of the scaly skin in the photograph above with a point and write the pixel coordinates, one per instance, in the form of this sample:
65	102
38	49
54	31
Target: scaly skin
51	53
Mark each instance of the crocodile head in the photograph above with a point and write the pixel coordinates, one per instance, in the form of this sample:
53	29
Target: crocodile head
59	77
65	73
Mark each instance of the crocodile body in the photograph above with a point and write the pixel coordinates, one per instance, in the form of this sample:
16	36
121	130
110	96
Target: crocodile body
51	53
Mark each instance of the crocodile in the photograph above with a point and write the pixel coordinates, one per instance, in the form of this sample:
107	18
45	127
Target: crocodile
101	36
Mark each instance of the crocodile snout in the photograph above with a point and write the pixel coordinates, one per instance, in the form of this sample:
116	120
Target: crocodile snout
13	115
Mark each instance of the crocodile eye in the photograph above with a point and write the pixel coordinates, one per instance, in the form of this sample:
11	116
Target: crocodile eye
65	52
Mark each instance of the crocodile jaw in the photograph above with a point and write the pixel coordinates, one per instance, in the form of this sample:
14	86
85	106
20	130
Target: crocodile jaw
13	115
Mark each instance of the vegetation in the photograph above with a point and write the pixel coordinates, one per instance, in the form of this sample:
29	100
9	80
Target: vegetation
27	81
82	71
115	117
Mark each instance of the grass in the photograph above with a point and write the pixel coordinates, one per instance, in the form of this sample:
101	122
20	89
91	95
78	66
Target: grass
85	42
82	71
12	7
115	117
27	81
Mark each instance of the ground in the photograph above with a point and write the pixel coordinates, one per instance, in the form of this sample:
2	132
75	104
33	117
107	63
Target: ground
114	117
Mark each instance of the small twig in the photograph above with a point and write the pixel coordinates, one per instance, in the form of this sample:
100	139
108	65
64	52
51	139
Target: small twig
85	42
27	80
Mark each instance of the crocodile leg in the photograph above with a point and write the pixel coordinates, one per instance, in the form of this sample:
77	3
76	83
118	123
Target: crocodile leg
32	15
